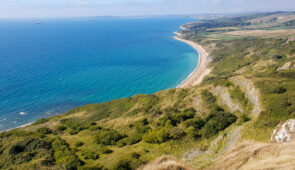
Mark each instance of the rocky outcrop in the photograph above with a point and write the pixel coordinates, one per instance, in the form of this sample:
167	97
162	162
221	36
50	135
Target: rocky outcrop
251	93
225	99
286	66
285	132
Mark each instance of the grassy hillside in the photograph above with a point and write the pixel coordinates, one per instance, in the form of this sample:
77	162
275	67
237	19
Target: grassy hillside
250	90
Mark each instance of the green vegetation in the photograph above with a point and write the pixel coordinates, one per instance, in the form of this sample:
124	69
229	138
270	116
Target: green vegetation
128	133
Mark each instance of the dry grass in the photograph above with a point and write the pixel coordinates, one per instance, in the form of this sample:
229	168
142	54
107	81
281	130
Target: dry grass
119	122
224	28
165	163
262	33
253	155
279	18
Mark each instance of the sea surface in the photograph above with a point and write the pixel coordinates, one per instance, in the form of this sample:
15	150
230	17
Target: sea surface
50	66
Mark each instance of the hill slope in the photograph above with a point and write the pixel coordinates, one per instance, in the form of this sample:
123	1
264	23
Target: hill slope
250	89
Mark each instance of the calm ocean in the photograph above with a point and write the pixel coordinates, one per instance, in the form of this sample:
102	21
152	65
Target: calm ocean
50	67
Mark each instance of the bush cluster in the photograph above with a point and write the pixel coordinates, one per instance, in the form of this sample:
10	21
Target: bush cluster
44	130
108	137
64	156
216	122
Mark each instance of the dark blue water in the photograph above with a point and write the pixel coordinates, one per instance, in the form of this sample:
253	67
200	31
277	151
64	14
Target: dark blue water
49	68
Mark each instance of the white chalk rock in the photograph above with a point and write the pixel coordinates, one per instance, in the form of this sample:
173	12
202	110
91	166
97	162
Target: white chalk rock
285	132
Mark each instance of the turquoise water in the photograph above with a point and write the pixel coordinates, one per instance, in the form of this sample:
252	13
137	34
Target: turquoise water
49	68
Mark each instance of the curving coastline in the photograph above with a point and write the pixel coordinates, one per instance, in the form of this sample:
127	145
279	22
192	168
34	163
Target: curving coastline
201	70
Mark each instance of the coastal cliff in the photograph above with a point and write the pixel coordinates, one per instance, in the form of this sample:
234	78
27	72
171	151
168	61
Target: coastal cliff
229	107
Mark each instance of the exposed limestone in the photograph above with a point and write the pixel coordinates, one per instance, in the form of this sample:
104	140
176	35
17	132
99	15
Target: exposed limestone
285	132
251	93
286	66
225	99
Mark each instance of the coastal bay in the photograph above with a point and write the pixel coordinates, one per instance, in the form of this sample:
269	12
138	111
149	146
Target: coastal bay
201	70
94	62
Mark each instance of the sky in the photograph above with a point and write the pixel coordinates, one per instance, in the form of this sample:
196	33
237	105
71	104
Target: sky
71	8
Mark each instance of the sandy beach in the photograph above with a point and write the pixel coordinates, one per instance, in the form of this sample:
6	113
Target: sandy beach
201	70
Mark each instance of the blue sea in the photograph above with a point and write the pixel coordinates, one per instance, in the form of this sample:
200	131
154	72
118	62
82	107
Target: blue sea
50	66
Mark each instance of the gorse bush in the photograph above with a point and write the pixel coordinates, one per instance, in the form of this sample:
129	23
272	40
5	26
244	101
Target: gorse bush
176	133
44	130
64	156
79	143
208	97
61	128
16	149
196	123
76	124
40	121
108	137
243	119
218	121
24	151
278	90
157	136
90	155
73	132
122	165
176	117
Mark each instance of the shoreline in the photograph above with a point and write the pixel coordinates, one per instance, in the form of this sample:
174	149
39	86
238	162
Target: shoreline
201	70
194	78
21	126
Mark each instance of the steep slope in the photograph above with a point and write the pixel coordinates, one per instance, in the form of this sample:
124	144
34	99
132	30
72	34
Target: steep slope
247	93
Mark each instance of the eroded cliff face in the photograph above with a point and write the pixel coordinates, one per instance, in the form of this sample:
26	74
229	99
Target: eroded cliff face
285	132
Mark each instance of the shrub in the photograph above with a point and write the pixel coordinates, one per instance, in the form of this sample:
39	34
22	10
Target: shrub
215	108
278	56
107	151
75	123
142	127
104	150
243	119
135	138
176	133
44	130
196	123
78	144
157	136
61	128
73	132
71	162
40	121
186	114
208	96
90	155
16	149
192	133
94	127
169	119
278	90
217	122
64	156
135	155
108	137
122	165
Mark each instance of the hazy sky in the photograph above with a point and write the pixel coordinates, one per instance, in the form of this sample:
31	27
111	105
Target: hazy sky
56	8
